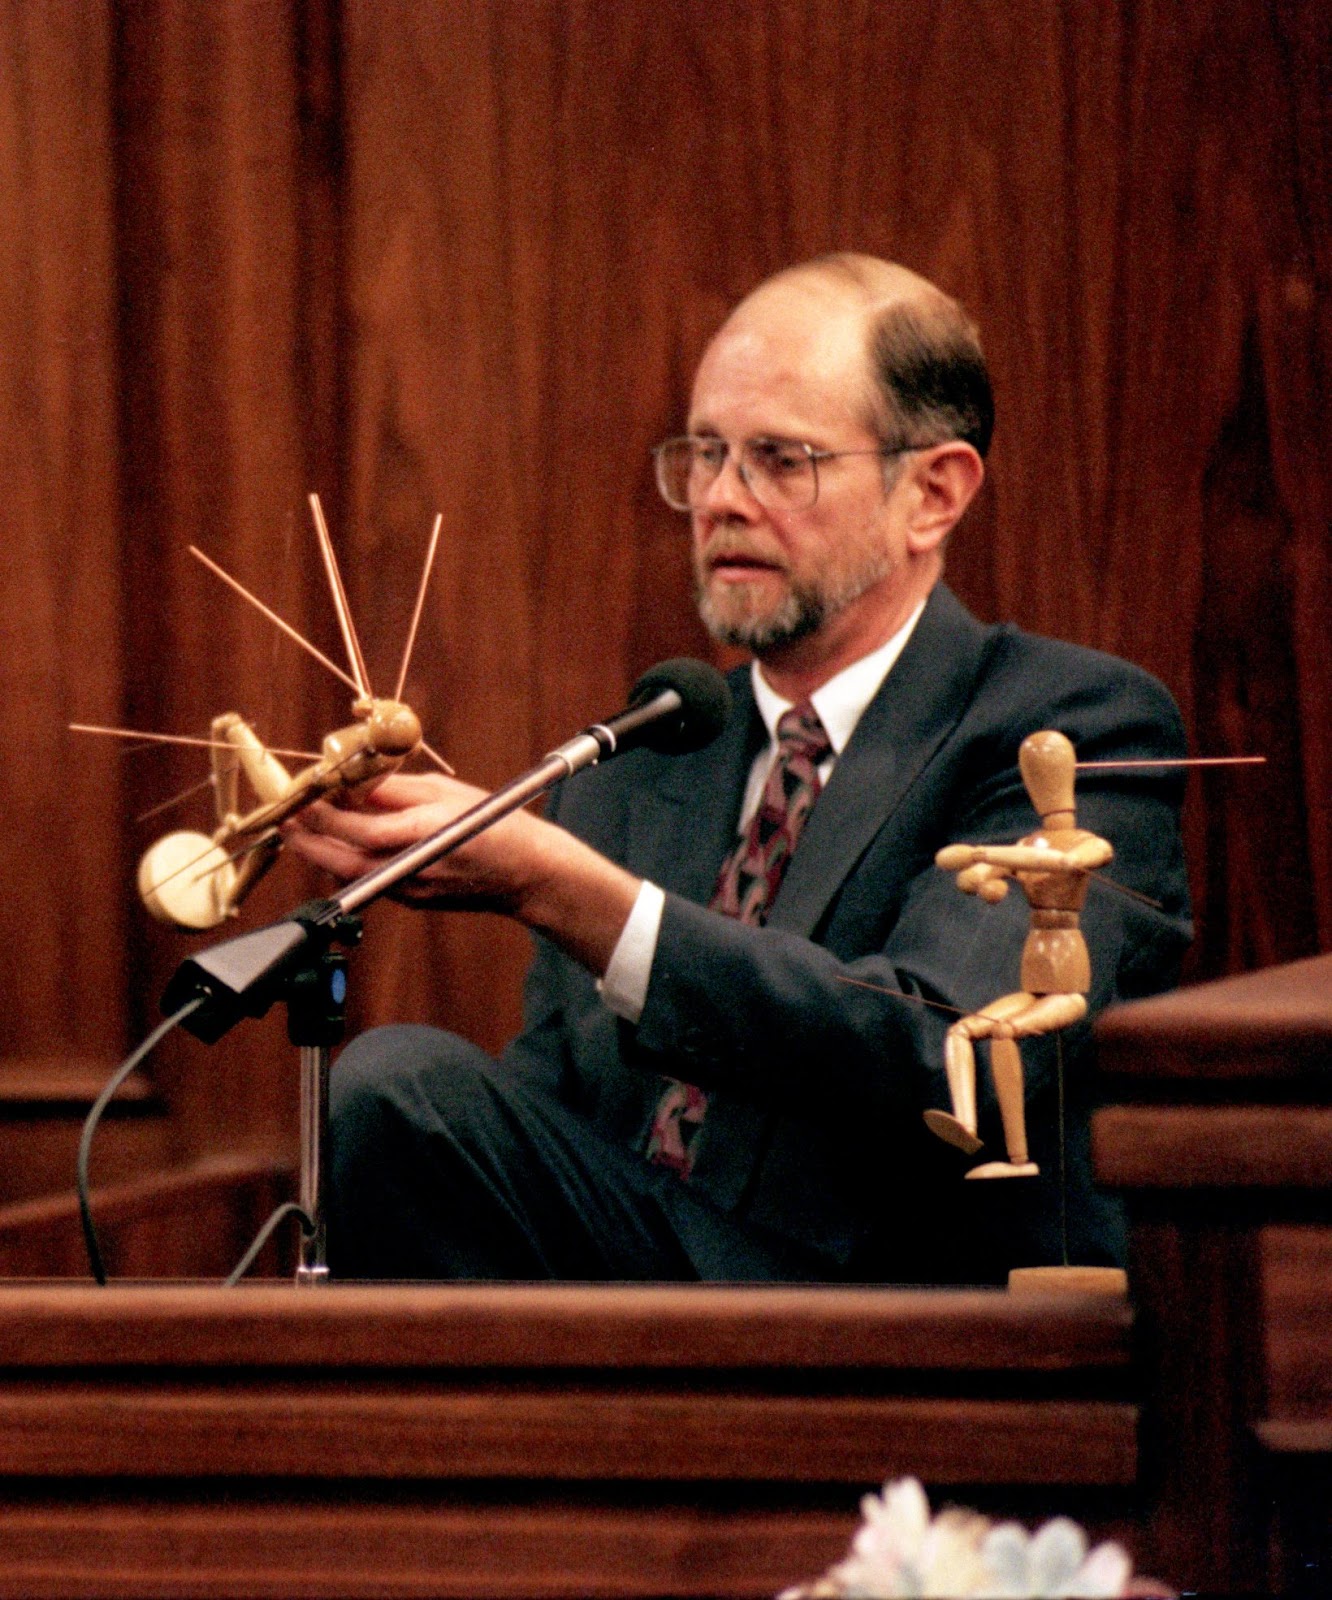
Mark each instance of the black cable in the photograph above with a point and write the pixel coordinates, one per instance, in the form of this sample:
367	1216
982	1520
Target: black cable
261	1239
94	1116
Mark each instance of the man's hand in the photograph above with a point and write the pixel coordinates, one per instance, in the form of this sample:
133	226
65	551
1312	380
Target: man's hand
522	866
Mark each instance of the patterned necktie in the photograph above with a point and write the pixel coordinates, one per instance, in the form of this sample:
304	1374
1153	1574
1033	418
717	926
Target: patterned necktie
746	887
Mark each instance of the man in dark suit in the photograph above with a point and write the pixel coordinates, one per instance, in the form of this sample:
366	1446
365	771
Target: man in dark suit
703	1087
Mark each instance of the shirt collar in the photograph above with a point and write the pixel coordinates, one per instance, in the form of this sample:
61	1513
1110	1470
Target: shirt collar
841	701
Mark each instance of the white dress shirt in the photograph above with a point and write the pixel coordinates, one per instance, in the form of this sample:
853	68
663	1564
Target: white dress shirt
840	703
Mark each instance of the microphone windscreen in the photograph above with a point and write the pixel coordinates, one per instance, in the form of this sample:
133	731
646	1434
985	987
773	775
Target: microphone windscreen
705	704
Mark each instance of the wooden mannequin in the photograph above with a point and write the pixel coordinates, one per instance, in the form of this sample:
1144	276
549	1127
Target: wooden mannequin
1051	868
195	881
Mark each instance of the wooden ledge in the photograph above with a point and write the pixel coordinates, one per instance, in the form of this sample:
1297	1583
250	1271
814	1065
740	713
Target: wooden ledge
565	1326
1271	1024
1180	1148
58	1083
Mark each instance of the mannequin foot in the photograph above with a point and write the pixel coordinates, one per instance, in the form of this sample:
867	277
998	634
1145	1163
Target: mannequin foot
952	1131
1004	1169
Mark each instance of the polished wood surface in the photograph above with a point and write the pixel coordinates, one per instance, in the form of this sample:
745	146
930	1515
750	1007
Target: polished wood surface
526	1441
1228	1178
198	1218
651	1327
307	1549
1270	1024
461	256
1297	1268
63	974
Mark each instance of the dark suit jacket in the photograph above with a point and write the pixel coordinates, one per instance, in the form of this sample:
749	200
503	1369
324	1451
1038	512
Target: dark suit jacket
813	1132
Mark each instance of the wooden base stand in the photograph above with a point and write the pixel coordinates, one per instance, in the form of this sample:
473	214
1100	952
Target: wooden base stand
1068	1280
1005	1169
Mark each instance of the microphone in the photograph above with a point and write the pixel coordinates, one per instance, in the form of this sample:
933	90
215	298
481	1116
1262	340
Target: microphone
676	707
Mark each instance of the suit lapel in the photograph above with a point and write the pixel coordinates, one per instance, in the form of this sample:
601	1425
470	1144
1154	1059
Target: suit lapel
683	825
920	703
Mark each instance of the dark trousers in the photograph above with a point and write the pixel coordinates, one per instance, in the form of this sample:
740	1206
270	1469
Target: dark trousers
445	1163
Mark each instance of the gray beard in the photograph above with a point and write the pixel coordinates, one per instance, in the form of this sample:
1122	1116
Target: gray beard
797	617
802	613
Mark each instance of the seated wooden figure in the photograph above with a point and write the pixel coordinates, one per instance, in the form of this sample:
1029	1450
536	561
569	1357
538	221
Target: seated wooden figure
1051	868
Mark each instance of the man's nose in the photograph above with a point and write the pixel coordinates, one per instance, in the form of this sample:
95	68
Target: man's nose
728	495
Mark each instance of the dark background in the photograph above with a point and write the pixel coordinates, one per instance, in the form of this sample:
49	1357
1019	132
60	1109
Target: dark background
461	255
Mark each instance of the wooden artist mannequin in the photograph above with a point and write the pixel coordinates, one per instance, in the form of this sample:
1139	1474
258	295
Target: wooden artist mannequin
1051	868
195	881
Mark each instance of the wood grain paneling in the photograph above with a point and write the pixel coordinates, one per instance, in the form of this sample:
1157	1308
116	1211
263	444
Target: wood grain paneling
649	1328
1201	1147
1297	1316
534	1440
462	256
320	1431
1114	194
307	1549
62	910
1229	1256
228	266
194	1221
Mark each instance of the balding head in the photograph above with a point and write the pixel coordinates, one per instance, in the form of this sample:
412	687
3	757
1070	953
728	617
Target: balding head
814	555
925	378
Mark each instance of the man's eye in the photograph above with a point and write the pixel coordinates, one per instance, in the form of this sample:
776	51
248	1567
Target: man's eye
778	457
710	453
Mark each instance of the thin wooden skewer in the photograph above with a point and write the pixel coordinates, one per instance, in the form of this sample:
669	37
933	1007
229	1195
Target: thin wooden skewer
901	994
1189	761
349	639
193	862
276	620
1123	888
246	849
182	738
165	805
438	759
420	605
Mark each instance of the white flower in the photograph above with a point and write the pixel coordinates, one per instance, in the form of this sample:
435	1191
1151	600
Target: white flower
1052	1562
899	1551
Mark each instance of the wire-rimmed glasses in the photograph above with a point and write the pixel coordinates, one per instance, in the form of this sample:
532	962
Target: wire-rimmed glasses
781	474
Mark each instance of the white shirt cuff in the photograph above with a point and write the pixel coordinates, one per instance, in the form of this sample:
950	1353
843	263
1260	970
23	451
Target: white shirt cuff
625	985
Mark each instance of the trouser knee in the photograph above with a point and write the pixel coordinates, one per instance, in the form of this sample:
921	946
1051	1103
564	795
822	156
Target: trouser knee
399	1077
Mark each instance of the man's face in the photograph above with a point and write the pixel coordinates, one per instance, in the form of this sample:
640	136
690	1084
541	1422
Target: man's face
790	365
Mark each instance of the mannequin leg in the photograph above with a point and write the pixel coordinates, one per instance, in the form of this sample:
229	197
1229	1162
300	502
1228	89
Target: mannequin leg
1006	1065
1010	1091
960	1066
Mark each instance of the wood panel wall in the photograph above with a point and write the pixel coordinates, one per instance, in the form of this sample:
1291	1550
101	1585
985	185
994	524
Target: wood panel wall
62	974
461	255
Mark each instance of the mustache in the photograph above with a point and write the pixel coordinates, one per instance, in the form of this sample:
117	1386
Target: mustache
723	545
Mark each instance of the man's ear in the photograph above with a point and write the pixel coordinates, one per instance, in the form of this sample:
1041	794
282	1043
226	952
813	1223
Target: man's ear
945	479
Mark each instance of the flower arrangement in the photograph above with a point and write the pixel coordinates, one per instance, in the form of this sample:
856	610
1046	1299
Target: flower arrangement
900	1550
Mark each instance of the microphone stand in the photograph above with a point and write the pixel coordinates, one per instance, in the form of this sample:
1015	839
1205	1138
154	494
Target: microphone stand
292	960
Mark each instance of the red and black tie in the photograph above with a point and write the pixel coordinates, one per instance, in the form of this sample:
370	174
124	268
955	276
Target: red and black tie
746	886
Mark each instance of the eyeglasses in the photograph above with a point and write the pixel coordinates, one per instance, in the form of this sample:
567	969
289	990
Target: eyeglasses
781	474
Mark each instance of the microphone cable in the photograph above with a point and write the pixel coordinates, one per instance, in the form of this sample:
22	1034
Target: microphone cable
289	1208
94	1116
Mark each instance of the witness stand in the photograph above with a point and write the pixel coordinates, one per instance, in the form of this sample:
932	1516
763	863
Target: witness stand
518	1440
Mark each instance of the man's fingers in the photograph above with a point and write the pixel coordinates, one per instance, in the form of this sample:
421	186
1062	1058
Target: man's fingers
331	854
375	831
403	789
